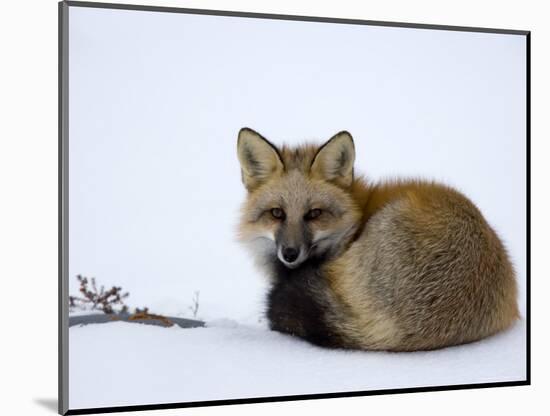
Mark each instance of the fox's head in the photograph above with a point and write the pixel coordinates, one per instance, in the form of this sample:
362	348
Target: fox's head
299	205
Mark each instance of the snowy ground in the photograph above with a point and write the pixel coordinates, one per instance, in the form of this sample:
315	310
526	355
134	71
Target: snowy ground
118	364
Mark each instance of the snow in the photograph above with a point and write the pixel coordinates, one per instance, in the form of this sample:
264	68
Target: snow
84	311
117	364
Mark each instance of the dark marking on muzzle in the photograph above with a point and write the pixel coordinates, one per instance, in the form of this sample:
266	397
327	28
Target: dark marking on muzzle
290	254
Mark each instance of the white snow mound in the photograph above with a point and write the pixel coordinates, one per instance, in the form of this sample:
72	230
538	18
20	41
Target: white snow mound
119	363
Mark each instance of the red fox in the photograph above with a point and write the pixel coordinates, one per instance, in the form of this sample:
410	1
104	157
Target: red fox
399	265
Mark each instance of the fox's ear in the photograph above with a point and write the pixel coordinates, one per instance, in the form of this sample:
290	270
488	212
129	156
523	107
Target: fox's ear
258	157
334	160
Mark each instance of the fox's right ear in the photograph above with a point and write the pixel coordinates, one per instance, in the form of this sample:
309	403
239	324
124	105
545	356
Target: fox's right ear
334	160
259	158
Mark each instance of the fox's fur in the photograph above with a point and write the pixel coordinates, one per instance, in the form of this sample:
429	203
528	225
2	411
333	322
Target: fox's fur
399	265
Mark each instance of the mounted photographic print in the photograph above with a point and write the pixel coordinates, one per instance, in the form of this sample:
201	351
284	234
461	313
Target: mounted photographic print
264	207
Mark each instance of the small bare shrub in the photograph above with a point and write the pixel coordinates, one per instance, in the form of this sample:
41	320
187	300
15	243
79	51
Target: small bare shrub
103	300
195	306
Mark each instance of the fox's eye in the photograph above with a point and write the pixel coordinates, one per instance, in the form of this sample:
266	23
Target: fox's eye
312	214
278	213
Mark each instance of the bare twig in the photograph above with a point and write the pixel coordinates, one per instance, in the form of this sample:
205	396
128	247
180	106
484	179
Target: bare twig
102	300
195	307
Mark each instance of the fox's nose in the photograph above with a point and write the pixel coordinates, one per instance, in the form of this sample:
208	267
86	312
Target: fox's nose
290	254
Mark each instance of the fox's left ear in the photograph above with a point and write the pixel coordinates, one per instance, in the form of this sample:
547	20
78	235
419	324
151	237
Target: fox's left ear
334	160
260	160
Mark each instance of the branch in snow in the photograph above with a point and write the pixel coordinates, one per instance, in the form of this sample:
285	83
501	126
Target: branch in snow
103	300
195	307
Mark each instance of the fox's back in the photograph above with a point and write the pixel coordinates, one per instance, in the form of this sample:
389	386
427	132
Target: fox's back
428	266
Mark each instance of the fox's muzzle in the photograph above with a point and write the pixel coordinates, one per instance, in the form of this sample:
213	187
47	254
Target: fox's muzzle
291	257
292	241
